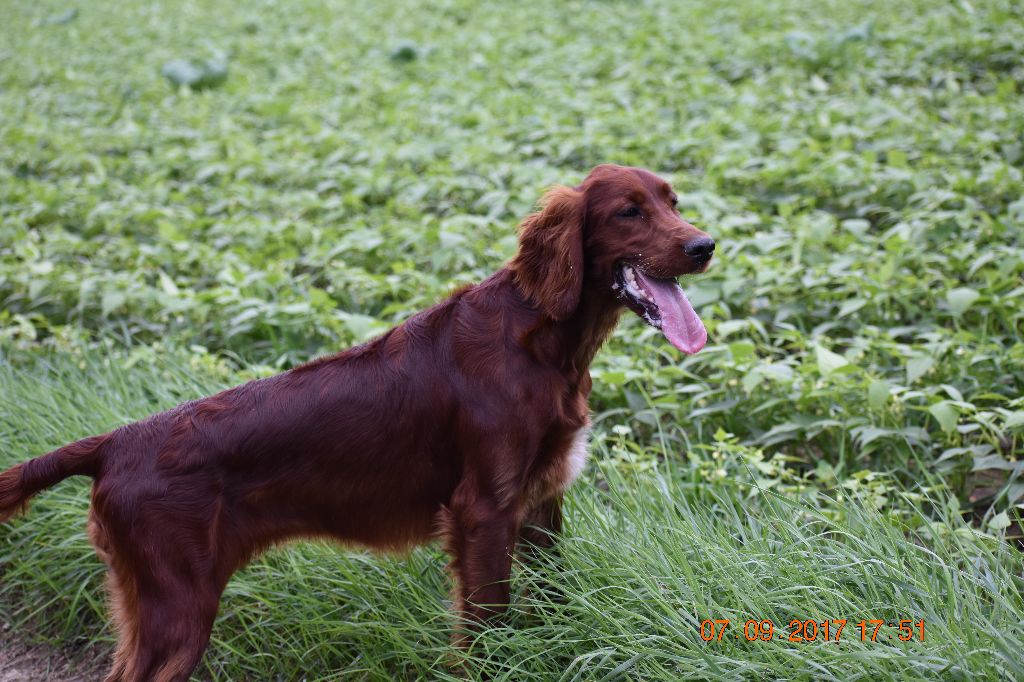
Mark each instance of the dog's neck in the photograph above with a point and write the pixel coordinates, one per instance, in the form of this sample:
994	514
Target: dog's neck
573	342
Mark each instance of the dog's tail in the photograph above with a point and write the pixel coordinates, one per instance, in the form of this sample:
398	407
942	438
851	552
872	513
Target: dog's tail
19	483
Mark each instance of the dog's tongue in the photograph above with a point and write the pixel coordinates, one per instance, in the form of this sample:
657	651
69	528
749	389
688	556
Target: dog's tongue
679	321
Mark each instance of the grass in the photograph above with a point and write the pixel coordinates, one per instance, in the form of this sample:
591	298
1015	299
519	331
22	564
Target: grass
647	557
848	444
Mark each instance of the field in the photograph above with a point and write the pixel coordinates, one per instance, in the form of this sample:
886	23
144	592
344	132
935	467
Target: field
848	446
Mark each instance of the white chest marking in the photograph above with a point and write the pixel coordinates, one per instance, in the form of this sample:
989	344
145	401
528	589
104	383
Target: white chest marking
576	458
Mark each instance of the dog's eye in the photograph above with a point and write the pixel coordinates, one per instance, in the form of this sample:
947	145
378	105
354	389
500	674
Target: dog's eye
631	212
674	200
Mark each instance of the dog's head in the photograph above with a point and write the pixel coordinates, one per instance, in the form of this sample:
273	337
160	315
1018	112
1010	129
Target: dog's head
619	233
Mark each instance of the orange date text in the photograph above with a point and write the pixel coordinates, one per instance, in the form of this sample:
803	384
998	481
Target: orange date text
812	630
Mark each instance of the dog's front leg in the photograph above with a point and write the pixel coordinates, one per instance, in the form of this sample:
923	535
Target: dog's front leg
541	527
539	537
479	536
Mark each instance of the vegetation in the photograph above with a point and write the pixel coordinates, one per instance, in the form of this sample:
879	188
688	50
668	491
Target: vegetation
193	194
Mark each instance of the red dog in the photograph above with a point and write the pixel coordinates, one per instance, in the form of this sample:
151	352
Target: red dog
466	422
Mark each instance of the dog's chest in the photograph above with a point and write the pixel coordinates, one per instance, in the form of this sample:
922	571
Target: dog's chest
564	464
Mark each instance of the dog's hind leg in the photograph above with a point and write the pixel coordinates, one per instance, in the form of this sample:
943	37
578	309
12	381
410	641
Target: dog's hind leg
163	626
122	599
165	591
175	603
125	616
173	631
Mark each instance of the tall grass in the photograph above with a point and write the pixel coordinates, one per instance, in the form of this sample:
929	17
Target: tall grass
645	558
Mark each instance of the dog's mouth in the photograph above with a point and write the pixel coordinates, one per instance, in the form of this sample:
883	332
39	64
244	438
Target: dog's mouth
663	305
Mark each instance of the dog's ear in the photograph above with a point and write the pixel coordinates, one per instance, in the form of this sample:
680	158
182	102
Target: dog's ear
549	265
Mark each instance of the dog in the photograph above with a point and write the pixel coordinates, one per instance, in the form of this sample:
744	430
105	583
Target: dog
467	422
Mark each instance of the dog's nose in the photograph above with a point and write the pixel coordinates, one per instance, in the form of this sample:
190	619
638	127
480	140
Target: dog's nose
700	248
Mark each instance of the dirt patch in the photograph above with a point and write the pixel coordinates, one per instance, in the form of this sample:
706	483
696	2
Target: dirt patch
22	662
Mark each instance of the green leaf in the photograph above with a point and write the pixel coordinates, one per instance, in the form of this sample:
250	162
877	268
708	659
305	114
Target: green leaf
996	462
752	379
946	413
878	394
613	378
856	226
960	299
182	72
829	362
953	392
728	327
362	327
111	301
1014	420
65	17
168	285
1000	521
196	74
851	306
742	350
897	158
703	292
405	52
865	435
918	366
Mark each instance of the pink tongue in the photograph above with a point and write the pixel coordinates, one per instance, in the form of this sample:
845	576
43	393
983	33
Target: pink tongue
679	321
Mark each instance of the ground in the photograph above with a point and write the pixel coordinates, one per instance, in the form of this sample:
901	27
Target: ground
20	662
